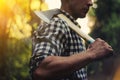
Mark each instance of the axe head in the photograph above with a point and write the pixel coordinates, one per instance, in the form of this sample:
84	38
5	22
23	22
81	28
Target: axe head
47	15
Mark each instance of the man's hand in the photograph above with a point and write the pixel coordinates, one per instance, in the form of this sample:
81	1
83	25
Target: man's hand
65	65
100	49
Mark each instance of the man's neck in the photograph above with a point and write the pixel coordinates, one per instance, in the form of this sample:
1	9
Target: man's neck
66	8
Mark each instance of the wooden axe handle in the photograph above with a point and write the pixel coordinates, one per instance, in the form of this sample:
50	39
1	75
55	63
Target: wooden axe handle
76	29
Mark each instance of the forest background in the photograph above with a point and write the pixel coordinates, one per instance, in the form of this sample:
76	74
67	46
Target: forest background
17	23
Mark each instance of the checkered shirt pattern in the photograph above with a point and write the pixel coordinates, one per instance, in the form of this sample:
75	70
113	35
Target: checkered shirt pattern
56	38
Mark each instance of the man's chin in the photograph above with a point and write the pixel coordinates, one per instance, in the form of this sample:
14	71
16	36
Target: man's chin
82	16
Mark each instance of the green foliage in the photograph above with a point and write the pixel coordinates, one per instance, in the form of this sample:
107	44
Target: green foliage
107	27
92	12
112	31
16	60
15	51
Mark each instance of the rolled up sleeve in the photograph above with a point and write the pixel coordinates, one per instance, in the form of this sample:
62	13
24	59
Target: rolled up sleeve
48	40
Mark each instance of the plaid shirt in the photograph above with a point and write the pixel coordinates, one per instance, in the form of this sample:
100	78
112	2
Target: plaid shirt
56	38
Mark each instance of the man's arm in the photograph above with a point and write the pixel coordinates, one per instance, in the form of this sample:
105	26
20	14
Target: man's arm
57	67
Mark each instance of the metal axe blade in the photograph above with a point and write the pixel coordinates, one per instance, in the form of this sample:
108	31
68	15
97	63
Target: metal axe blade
47	15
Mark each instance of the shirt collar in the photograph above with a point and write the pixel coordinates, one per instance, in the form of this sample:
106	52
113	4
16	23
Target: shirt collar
70	17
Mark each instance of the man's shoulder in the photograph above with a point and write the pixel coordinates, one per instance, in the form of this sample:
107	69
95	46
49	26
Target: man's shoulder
56	19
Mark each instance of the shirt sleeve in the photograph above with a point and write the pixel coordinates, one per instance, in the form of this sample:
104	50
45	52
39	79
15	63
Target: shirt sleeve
48	40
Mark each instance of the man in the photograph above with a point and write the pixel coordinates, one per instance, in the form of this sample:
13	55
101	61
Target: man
58	52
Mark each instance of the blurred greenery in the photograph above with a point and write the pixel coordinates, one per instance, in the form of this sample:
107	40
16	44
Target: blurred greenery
18	23
16	27
107	27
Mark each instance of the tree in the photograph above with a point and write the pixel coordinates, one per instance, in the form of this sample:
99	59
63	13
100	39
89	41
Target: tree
15	37
107	27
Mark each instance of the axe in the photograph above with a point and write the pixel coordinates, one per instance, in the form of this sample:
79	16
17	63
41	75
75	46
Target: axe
47	16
